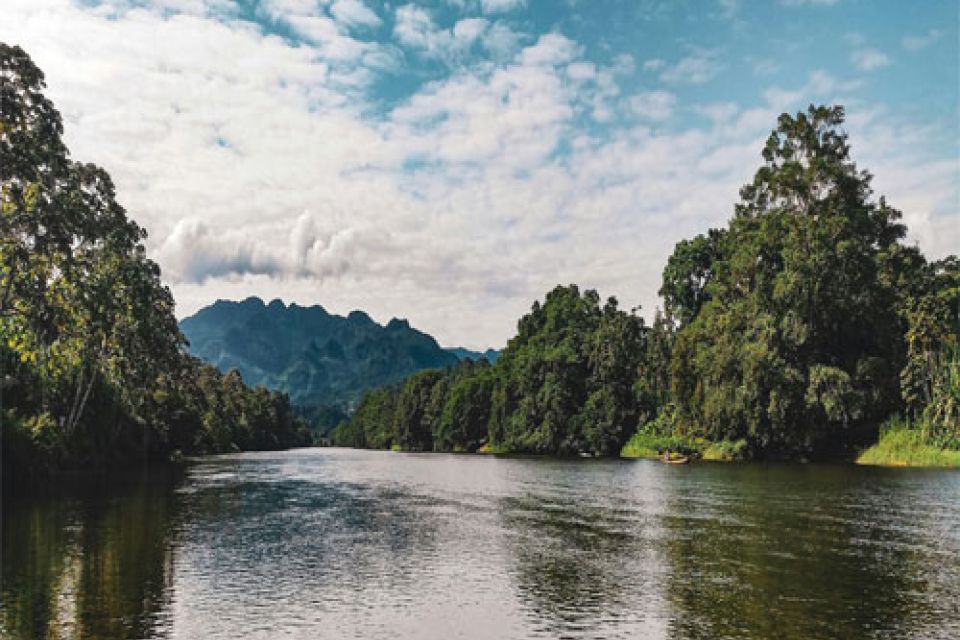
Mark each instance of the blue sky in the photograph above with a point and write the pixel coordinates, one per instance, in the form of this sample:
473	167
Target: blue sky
450	161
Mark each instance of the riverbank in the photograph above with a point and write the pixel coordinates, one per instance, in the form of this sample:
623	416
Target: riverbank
652	446
505	548
903	447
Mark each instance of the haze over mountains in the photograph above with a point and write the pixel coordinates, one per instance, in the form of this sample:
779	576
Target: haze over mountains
316	357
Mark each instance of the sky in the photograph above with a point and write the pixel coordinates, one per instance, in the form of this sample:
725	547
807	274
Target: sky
451	161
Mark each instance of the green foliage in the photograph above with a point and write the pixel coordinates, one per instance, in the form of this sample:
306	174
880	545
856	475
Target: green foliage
930	381
372	423
568	382
316	357
688	273
797	344
652	445
905	444
790	333
572	381
466	413
92	368
726	451
648	444
793	331
418	410
322	419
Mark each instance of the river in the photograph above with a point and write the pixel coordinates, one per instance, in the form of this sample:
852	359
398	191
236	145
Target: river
338	543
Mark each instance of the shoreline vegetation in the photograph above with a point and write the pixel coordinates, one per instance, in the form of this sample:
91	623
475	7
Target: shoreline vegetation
789	334
904	445
93	372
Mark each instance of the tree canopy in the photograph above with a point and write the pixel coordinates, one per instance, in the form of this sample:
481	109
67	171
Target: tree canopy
573	380
795	331
91	354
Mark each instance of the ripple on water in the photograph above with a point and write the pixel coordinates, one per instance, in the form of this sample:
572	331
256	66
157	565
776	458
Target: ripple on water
341	544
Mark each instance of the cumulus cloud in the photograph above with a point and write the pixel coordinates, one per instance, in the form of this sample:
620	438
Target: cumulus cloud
193	252
258	169
416	29
354	13
550	49
653	105
281	8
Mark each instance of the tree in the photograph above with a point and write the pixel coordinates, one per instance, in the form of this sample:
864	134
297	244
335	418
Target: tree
90	348
466	413
797	343
930	379
688	273
418	410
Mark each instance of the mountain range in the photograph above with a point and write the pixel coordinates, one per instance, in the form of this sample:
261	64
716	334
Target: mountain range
318	358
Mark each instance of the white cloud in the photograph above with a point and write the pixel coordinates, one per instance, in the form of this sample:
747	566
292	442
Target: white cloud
551	49
869	59
698	68
469	30
415	29
286	8
918	42
354	13
580	71
501	6
257	169
717	112
502	41
653	105
193	252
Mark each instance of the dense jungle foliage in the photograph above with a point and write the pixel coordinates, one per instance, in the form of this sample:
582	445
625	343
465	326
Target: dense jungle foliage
93	367
574	379
321	360
794	332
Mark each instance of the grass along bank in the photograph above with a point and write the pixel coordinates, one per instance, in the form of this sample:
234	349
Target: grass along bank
903	445
645	444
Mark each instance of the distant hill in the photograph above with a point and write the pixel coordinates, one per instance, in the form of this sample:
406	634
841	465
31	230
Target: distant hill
490	355
316	357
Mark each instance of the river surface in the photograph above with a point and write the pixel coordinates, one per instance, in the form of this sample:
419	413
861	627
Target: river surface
335	543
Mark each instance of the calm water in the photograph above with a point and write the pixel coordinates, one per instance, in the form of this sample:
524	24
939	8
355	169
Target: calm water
328	543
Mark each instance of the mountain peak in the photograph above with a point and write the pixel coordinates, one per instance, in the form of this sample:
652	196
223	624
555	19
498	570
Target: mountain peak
315	357
397	324
358	316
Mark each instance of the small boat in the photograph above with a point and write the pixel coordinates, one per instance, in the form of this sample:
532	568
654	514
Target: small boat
674	458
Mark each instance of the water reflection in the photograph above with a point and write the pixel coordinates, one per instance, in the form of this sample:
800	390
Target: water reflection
807	553
578	569
94	561
336	544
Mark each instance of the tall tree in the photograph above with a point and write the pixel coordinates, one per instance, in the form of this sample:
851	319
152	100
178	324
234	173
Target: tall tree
799	341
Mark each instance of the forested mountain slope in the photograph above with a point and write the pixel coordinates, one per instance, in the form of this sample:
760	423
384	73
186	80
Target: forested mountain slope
314	356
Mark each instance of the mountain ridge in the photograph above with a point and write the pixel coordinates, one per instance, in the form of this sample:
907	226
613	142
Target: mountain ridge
316	357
